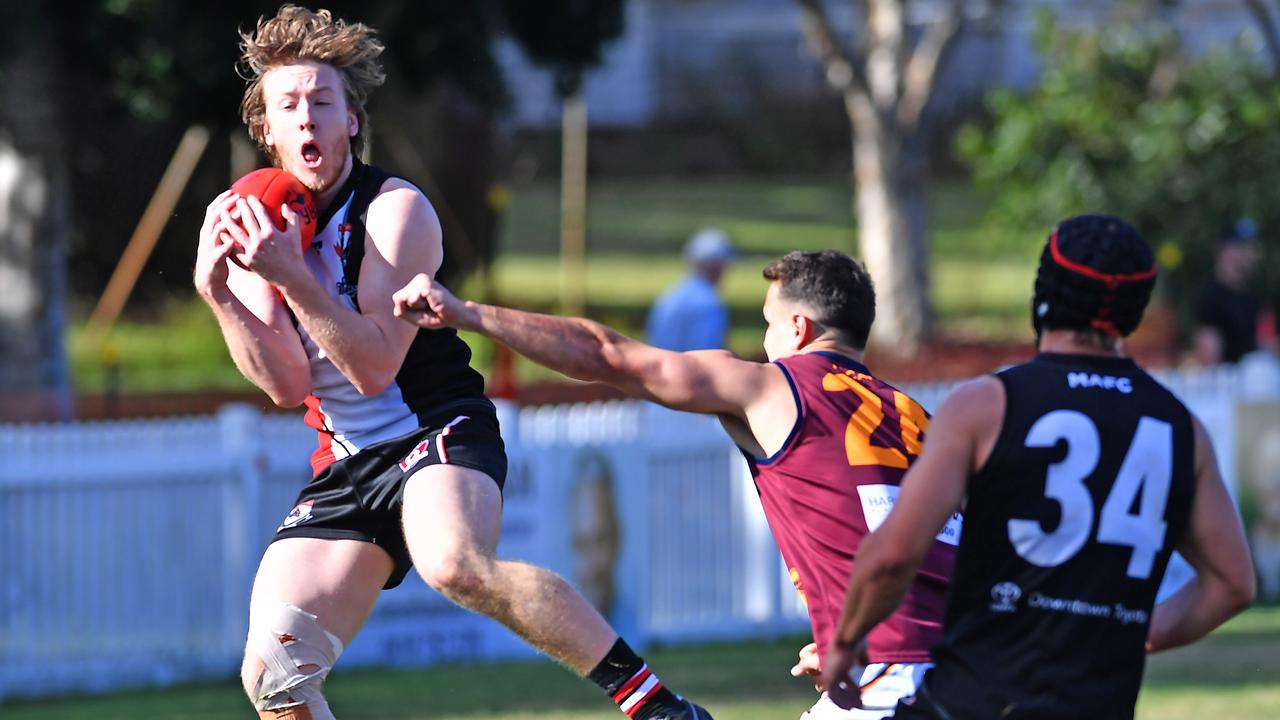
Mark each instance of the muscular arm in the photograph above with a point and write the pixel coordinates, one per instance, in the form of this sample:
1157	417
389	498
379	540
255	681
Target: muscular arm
1215	546
262	340
403	238
711	381
259	335
960	438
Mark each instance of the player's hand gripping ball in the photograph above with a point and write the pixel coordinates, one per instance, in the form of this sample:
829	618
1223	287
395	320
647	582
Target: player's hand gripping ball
276	187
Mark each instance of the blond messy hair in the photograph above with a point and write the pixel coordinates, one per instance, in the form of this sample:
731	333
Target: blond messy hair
298	34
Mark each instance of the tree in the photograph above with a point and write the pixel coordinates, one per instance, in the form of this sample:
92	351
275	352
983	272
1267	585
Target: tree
566	36
886	81
1124	122
552	36
1266	18
134	74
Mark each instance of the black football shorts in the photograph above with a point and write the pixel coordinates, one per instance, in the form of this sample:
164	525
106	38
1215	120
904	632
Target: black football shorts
360	497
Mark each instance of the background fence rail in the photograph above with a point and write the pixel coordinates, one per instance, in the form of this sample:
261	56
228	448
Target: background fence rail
127	548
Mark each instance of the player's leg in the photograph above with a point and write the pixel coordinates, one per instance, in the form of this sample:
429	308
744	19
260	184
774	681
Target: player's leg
452	519
310	598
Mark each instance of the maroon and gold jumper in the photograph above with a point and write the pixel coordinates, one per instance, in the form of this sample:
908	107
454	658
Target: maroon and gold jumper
834	481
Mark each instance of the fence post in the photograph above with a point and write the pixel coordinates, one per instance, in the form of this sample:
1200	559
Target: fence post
240	432
760	590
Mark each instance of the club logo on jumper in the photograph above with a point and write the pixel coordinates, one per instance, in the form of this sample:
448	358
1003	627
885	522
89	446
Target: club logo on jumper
1006	596
1094	380
417	454
297	202
299	514
344	240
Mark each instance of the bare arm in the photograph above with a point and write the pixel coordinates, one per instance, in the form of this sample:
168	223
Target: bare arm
1215	546
403	238
960	437
259	334
711	381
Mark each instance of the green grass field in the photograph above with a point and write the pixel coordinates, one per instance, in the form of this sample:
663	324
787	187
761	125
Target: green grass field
1231	674
636	229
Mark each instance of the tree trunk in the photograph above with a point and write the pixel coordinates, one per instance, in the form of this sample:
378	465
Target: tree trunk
886	87
34	219
888	202
573	206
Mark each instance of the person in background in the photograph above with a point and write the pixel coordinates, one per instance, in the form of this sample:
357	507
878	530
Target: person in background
690	315
1229	314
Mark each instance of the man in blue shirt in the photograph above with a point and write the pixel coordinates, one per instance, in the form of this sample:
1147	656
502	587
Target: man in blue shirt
690	315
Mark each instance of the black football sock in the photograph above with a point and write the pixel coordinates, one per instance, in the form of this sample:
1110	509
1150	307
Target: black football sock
634	689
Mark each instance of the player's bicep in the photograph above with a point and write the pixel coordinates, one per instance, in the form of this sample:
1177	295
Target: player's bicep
704	381
403	239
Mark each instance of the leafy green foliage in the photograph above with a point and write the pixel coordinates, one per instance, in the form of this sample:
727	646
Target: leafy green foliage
567	36
1123	122
172	62
637	226
128	76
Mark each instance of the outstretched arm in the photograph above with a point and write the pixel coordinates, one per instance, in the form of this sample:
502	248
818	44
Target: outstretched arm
887	561
708	381
1215	546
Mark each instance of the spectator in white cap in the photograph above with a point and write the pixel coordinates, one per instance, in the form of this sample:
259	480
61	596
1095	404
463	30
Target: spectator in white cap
690	315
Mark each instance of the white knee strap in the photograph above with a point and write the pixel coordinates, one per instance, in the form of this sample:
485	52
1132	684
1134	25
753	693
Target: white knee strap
287	639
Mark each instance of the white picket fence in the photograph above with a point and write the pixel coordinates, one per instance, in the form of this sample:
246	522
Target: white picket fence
127	549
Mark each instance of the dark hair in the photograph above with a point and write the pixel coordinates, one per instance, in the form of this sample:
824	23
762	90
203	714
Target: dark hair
1096	273
831	284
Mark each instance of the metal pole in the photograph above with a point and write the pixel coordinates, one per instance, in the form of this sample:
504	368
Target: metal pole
573	206
147	233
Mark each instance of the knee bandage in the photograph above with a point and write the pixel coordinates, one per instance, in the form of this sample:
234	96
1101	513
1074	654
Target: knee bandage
288	639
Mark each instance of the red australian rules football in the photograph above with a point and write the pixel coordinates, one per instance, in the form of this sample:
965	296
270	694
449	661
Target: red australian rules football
276	187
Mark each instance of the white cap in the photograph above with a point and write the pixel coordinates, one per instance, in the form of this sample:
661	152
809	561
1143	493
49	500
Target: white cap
709	245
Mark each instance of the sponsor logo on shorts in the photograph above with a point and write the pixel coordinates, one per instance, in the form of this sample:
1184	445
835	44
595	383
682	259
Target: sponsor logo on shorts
420	451
299	514
1006	596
